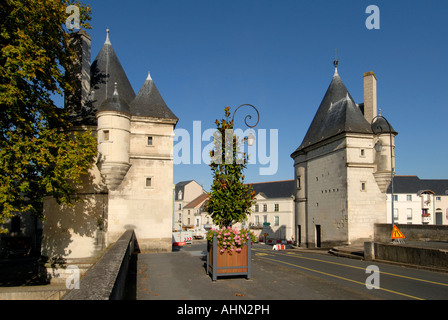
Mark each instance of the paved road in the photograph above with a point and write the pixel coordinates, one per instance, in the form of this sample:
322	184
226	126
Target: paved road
385	281
282	275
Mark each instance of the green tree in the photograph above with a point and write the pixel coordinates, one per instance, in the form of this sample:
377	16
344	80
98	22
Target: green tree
38	154
230	199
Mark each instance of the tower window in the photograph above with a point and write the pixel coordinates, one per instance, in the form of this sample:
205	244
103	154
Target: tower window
150	141
106	135
148	182
363	186
299	182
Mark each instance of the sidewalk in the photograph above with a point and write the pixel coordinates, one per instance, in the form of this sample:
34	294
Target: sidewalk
182	276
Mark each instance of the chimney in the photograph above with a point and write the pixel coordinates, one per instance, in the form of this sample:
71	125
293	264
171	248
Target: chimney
76	100
370	99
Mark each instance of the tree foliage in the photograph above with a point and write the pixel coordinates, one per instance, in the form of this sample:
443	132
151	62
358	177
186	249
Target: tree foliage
230	199
38	154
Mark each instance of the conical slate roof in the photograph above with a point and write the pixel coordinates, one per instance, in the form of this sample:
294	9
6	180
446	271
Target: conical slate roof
149	102
337	113
106	70
114	103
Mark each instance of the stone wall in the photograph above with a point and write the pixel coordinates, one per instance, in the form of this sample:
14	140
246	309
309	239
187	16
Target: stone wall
106	279
412	232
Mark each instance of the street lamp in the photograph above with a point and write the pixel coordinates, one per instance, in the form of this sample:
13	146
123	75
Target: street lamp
377	128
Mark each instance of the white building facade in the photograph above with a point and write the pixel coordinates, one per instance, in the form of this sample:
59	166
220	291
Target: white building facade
418	201
185	214
272	216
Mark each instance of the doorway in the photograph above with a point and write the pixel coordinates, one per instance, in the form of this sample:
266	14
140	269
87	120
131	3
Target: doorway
299	235
439	217
318	236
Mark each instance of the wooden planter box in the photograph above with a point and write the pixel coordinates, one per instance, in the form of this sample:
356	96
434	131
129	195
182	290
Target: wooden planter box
228	264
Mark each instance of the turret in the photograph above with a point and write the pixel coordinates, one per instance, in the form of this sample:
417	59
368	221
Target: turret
114	124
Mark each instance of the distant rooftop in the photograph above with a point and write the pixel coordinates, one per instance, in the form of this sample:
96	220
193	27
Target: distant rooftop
414	185
275	189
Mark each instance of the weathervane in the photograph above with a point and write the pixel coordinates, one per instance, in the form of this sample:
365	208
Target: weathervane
336	61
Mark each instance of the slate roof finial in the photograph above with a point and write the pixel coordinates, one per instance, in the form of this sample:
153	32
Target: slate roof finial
107	37
336	62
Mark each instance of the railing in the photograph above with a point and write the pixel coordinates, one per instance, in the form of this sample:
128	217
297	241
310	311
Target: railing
255	225
106	279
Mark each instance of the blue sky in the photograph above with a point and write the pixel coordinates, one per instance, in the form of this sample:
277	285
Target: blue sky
205	55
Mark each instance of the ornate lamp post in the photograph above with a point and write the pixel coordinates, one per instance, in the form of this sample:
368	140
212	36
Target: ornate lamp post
251	138
377	128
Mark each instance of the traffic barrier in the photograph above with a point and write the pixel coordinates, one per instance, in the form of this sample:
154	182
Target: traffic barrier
278	247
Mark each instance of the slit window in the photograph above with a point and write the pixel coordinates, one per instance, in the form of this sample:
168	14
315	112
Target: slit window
106	135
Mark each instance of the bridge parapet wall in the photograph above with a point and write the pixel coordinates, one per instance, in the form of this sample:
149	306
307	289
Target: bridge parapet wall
412	232
106	279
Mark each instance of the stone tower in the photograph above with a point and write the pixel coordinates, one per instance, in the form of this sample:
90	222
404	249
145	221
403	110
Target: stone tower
341	180
131	184
114	129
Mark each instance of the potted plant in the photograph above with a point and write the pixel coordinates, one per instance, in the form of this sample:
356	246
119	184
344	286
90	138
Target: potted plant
426	217
230	201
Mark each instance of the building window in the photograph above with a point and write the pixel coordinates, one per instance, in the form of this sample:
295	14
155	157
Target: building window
363	186
409	197
409	215
363	153
276	207
179	195
148	182
395	197
150	141
106	135
265	207
180	206
276	220
257	220
299	182
180	217
395	214
265	219
438	198
256	208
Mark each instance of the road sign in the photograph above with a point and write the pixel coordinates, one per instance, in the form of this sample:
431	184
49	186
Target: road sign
396	234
